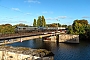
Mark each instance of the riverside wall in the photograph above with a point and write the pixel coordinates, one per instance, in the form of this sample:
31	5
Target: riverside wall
68	38
21	53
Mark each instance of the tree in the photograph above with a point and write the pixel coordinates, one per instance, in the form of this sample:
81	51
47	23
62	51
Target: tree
52	25
76	28
83	21
7	28
43	22
22	25
70	30
87	32
64	25
79	26
39	22
59	25
34	23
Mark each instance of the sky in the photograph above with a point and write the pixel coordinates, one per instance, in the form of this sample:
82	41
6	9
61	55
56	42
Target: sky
55	11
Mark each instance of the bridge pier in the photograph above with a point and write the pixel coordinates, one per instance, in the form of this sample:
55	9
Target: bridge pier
68	38
57	38
65	38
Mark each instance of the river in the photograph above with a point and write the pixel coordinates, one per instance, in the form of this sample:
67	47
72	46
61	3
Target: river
62	51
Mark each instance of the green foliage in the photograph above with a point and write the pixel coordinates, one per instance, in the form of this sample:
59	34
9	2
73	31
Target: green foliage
34	23
79	26
7	28
52	25
55	25
64	25
59	25
70	30
83	21
41	22
87	32
76	28
23	25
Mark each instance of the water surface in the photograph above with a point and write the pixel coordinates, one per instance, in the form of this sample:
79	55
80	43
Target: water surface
62	51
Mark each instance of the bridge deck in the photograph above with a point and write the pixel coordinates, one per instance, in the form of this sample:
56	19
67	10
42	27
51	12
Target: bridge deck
23	39
18	35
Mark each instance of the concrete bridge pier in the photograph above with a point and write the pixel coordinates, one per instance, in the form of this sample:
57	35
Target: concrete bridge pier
64	38
57	38
67	38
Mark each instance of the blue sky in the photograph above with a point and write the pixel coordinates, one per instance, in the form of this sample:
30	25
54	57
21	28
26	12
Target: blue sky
61	11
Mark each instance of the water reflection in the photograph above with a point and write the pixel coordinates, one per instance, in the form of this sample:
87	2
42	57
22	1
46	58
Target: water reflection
36	44
62	51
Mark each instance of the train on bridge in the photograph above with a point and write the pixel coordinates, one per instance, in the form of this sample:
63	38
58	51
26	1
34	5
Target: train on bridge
19	29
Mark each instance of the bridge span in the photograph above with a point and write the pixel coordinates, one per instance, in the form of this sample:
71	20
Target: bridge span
54	37
21	38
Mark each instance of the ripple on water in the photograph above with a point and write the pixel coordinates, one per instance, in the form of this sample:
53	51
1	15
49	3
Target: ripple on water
62	51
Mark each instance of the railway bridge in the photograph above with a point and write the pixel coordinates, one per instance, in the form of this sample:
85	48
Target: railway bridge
54	36
12	38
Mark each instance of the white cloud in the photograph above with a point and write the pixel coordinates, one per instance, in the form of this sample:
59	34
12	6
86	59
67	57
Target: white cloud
16	16
22	21
56	18
85	17
16	9
46	12
49	18
32	1
62	17
28	13
7	18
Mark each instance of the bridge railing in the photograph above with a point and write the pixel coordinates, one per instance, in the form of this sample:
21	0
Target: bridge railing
22	34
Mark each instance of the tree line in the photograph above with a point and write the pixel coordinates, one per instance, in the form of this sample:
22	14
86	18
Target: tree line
6	29
9	29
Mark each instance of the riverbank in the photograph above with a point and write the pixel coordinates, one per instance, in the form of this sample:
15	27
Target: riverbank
22	53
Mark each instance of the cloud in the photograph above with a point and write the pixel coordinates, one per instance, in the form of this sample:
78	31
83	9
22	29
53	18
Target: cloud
85	17
7	18
57	18
44	12
62	17
52	18
22	21
16	9
28	13
32	1
16	16
49	18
